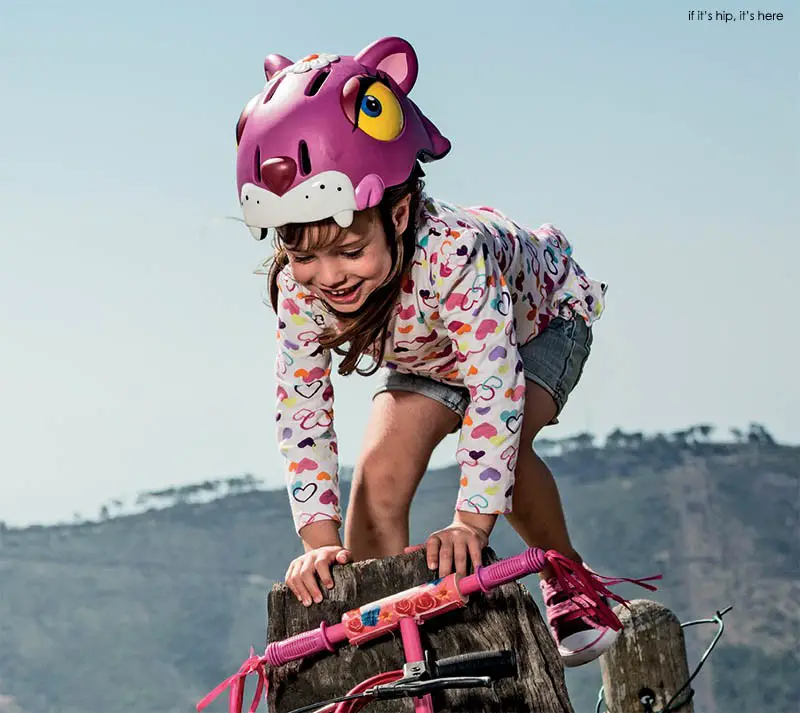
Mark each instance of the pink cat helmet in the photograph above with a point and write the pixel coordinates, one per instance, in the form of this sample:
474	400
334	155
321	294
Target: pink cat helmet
328	134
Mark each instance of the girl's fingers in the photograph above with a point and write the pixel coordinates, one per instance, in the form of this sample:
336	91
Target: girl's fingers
324	573
289	580
460	557
295	582
475	552
308	575
446	557
432	551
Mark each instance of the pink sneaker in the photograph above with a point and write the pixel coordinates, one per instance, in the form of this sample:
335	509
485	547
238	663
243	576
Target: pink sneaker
582	623
580	635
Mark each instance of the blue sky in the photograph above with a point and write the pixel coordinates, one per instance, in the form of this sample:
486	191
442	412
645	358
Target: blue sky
134	347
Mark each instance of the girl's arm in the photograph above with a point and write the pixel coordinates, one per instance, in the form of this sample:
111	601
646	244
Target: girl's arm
322	533
475	306
484	523
304	414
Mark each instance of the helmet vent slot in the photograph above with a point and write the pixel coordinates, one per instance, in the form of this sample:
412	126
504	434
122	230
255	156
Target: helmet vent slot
304	159
273	89
316	84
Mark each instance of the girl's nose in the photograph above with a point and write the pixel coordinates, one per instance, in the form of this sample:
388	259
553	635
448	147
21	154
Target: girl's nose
330	275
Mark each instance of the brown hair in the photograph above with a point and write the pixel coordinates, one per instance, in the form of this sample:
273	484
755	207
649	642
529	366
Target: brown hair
365	330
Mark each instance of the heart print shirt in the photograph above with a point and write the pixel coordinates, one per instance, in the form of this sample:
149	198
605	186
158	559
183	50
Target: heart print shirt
479	286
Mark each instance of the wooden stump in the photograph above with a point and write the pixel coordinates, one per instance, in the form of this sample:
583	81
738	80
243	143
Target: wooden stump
648	660
506	618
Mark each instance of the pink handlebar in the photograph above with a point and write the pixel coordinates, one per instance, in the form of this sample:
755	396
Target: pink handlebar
306	644
358	628
508	570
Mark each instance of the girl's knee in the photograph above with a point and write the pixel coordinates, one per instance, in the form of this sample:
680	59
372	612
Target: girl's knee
529	462
382	490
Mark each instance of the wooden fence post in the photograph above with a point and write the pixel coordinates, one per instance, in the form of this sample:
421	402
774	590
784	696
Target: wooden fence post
647	664
505	618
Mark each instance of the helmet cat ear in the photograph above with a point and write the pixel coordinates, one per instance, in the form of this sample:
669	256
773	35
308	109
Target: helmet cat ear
395	57
274	63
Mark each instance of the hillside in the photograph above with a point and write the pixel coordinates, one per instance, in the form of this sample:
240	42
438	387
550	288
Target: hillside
147	611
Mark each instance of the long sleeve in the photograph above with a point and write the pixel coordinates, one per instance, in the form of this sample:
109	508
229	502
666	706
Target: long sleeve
475	306
304	415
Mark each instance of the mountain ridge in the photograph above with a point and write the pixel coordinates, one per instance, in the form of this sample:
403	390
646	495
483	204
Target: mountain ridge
154	608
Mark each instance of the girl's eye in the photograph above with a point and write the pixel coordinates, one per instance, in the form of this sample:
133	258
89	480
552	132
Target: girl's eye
303	258
353	254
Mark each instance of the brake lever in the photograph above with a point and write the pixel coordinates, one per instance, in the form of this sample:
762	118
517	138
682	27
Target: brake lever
415	688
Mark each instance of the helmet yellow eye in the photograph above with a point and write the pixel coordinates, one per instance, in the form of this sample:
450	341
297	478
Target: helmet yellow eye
380	114
377	113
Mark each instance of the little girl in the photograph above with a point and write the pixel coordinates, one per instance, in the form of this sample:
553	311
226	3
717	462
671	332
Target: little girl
479	325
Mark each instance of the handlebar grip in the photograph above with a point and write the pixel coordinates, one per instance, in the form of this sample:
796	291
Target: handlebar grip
298	646
495	664
504	571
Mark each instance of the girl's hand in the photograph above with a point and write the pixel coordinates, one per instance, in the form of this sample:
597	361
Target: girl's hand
453	545
468	533
301	576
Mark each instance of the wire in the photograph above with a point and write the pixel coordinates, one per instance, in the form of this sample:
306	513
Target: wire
647	702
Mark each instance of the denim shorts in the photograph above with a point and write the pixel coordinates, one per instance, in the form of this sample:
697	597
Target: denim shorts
553	359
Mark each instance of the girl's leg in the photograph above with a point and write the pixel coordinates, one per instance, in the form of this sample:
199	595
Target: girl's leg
554	363
404	428
537	514
555	358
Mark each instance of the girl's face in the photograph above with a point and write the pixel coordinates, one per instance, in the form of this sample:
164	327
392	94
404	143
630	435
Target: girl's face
345	271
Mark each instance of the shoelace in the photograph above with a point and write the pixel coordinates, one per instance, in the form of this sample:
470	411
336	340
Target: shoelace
586	590
577	607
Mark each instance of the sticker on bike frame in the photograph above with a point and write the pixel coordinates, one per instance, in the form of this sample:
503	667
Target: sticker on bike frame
421	602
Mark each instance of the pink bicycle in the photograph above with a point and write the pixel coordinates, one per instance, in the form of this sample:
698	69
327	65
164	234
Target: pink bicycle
407	610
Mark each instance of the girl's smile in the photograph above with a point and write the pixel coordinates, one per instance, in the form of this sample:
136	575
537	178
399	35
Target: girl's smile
344	296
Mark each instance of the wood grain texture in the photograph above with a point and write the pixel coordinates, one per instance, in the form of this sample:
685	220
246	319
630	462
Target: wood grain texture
649	653
506	618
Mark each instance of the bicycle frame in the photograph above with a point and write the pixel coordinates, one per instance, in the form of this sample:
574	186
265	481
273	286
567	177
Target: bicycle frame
408	609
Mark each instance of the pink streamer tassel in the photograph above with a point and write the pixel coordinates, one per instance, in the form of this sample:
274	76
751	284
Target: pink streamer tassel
254	664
